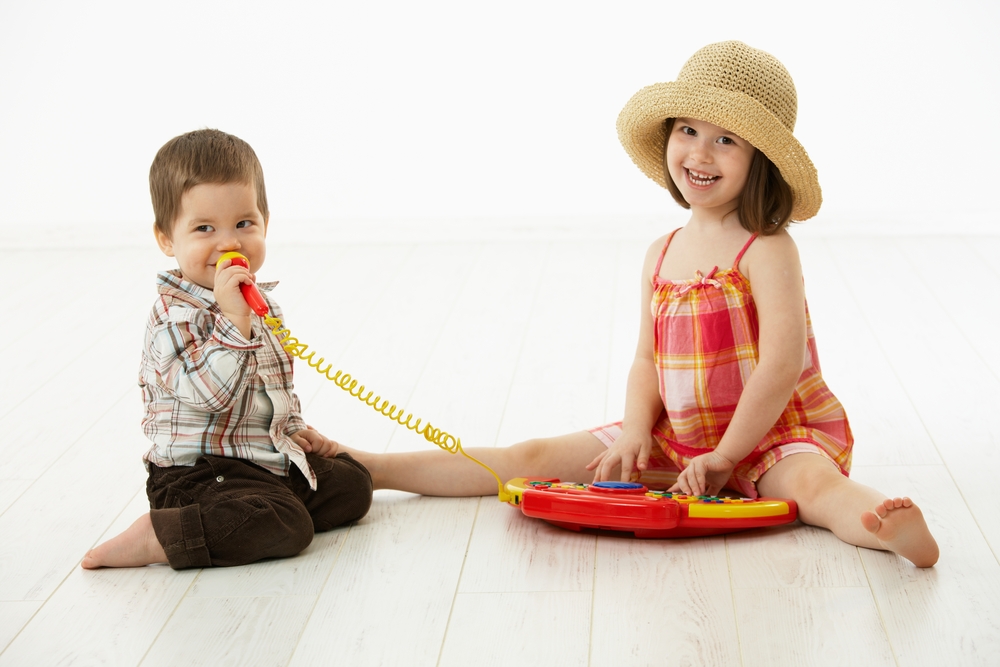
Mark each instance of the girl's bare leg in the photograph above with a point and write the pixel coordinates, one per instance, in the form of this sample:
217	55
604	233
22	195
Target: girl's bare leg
438	473
135	547
855	513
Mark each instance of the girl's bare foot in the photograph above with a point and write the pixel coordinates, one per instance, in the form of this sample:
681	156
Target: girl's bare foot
899	526
136	547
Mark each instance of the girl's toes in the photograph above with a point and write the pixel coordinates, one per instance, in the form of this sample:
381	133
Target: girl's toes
870	521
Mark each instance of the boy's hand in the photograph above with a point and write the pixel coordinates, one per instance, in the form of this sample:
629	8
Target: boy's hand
705	475
312	441
228	278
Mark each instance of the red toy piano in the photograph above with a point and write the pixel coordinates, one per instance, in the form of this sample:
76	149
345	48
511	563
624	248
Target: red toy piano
632	508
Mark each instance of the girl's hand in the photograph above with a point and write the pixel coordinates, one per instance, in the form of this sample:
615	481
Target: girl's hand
312	441
705	475
630	452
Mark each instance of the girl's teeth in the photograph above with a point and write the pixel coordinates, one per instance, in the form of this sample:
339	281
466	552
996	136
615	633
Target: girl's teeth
701	179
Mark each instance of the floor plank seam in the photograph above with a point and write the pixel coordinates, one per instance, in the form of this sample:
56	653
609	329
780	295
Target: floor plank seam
166	622
319	593
458	582
593	605
878	607
732	597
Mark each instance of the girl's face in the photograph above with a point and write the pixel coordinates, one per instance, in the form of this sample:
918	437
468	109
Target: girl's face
709	165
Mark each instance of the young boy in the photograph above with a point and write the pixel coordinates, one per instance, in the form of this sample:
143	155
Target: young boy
235	475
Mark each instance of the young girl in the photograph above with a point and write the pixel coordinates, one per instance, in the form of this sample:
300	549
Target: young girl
725	389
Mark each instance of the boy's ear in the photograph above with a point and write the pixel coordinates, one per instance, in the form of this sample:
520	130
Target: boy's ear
164	241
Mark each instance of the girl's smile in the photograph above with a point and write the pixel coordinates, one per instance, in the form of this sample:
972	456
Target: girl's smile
699	179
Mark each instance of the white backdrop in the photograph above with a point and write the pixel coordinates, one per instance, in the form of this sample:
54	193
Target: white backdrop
433	111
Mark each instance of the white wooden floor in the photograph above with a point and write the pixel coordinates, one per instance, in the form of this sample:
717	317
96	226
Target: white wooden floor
498	340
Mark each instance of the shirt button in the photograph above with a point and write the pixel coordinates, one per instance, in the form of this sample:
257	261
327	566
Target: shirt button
220	478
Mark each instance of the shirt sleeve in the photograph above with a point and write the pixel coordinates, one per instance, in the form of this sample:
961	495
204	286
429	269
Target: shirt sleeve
201	358
295	421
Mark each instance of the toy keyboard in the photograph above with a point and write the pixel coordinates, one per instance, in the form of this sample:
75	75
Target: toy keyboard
633	508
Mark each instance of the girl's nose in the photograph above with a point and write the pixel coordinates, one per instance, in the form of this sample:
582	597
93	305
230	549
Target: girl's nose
701	152
229	244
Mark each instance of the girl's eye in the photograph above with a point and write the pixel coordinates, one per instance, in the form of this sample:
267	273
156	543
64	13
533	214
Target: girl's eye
725	140
243	223
688	130
203	228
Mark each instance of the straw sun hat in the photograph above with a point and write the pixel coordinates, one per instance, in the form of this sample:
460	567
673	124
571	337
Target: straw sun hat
736	87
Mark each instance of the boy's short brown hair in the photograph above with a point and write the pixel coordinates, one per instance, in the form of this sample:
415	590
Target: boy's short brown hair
202	156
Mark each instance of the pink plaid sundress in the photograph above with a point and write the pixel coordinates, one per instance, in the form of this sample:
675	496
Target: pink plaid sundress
706	347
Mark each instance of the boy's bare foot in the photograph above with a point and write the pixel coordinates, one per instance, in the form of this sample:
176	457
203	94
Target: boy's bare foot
899	526
136	547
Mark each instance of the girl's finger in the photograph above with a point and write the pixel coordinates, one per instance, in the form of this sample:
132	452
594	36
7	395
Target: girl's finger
643	461
597	461
626	474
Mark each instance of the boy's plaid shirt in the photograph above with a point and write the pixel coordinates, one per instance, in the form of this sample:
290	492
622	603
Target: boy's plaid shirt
209	390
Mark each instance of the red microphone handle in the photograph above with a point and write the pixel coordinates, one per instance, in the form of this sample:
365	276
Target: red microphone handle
250	292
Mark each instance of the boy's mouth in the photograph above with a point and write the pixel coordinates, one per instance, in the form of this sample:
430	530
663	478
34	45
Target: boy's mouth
700	179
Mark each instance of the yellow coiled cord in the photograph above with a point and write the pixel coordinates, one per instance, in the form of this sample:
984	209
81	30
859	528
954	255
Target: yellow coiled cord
345	381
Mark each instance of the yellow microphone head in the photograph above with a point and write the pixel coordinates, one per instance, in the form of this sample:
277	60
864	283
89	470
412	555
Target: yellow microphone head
235	256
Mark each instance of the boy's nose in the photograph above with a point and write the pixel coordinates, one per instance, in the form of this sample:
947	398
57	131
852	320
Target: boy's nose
229	244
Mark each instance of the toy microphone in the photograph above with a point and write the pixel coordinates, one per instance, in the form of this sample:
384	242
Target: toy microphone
250	292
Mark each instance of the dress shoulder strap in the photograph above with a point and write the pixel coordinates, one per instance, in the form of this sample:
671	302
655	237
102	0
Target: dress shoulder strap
736	264
663	253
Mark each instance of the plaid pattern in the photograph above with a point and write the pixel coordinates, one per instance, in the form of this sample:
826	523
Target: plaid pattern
208	390
706	334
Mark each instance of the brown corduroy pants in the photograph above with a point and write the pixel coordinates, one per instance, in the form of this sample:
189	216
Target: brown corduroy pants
225	511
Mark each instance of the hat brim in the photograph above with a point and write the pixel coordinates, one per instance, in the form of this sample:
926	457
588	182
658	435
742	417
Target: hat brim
642	133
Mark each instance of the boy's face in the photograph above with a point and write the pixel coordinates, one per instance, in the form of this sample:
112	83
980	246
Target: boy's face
215	218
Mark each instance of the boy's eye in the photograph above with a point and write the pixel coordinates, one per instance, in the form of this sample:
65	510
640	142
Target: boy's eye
203	228
243	223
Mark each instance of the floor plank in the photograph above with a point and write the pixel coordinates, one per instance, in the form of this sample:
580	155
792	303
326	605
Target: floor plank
14	615
231	631
787	627
390	594
301	576
11	490
500	340
510	552
785	557
63	514
945	378
544	628
949	614
663	602
108	617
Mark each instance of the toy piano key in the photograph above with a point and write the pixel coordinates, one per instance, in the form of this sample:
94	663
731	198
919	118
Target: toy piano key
633	508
